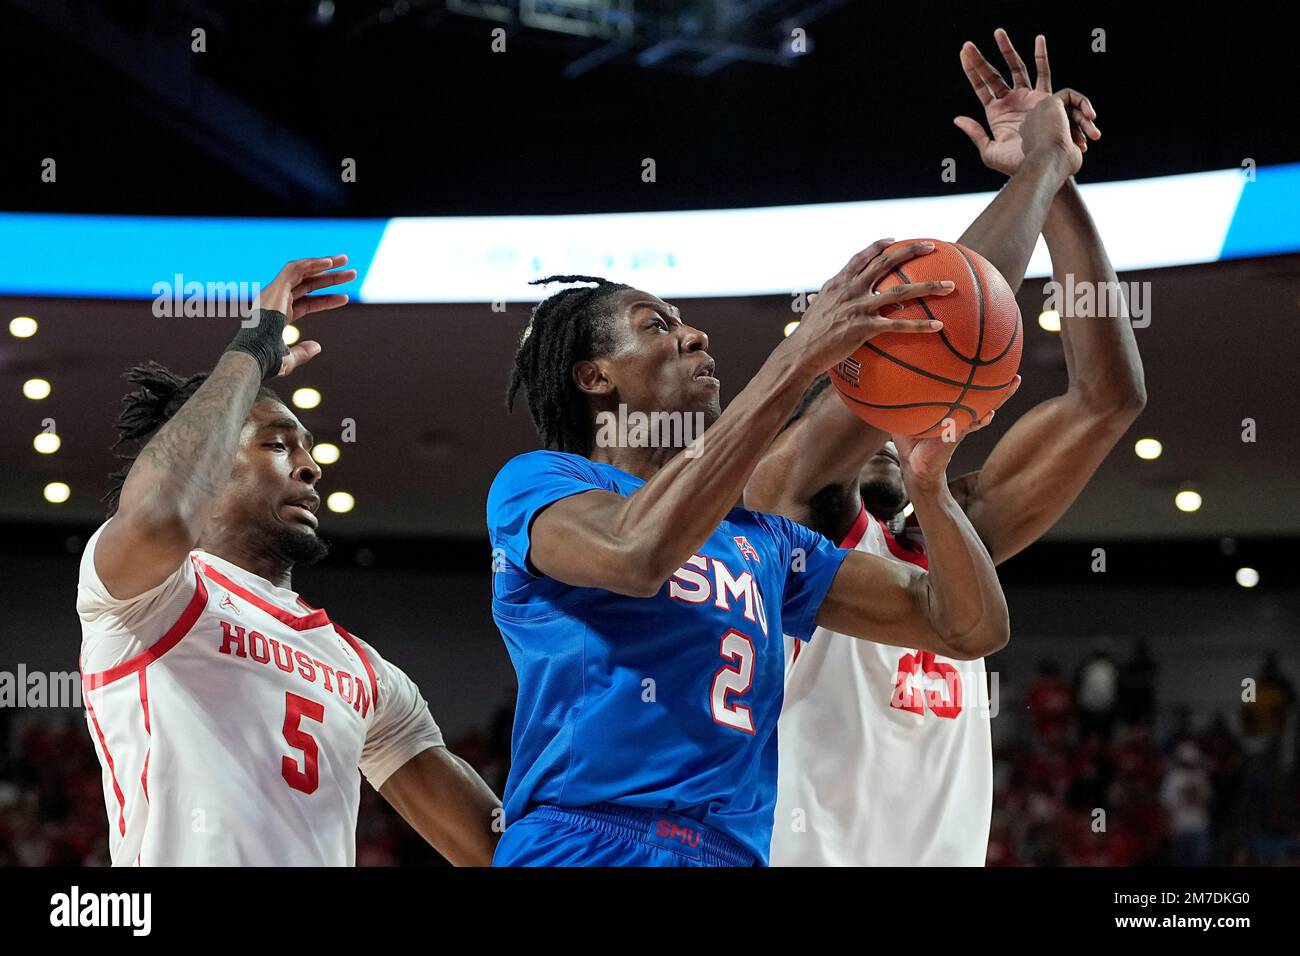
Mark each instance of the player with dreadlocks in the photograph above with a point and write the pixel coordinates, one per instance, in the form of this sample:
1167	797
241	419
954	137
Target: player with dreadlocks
229	716
644	611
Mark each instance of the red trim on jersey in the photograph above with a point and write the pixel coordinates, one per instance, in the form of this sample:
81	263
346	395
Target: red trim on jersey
144	702
108	759
144	705
901	552
365	661
795	656
160	647
860	525
304	623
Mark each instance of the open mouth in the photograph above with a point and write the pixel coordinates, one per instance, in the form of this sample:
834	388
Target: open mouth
302	510
705	373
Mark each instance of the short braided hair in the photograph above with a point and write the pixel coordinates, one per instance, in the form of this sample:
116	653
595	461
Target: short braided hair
160	395
565	328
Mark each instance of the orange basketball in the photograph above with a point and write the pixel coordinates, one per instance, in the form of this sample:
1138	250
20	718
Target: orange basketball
909	383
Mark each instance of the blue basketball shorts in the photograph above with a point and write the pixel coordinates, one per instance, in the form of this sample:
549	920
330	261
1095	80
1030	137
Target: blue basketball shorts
609	835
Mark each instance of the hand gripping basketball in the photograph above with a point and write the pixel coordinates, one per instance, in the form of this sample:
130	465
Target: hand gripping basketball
849	310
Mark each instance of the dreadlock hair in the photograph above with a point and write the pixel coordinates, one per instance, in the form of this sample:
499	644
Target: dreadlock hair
160	395
565	328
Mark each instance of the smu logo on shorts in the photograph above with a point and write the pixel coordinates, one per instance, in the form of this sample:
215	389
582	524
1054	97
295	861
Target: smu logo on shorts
678	834
674	831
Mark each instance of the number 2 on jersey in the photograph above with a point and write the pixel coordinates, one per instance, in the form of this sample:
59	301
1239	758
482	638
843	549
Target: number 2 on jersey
735	679
306	778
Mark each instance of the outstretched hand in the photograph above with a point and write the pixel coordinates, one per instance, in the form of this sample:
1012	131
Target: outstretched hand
1006	106
290	293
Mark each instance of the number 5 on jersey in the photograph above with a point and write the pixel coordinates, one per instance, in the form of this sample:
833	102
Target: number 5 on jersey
306	778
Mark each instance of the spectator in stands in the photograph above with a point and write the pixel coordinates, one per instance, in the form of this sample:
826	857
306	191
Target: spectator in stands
1096	693
1186	795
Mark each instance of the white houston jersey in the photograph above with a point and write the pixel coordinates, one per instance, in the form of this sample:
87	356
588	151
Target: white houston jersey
885	755
231	718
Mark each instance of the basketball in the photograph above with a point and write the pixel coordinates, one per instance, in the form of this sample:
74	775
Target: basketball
909	384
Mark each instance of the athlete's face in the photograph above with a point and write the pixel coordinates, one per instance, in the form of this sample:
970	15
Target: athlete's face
269	504
881	483
657	362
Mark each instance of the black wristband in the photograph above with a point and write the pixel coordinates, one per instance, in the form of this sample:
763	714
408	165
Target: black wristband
264	341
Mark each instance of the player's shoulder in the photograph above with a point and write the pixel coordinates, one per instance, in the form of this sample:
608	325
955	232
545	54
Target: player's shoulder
783	532
544	462
93	595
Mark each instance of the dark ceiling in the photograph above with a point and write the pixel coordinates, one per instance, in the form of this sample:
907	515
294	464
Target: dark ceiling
259	123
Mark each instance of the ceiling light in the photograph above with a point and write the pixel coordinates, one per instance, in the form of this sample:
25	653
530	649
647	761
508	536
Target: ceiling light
325	453
1148	449
56	492
36	389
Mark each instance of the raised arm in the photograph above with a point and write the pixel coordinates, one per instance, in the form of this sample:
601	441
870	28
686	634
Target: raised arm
631	545
1007	231
1038	468
811	471
175	480
956	608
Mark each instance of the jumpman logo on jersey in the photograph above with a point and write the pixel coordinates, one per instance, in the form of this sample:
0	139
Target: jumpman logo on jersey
226	602
746	548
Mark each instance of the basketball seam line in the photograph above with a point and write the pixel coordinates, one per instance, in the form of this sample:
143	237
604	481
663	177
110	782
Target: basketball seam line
936	377
979	344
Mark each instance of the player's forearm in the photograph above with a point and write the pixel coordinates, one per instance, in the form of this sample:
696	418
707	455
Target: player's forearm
1104	366
827	446
447	803
1007	230
965	603
177	476
671	516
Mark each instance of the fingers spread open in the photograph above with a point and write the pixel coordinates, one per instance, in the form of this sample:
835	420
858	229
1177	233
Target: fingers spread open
974	131
973	60
862	260
318	303
1019	74
1043	70
324	280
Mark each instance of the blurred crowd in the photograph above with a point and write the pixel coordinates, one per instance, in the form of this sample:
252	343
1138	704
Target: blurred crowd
1094	779
1092	773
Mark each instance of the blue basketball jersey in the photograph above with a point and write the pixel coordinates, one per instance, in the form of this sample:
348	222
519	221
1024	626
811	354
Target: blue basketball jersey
668	702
